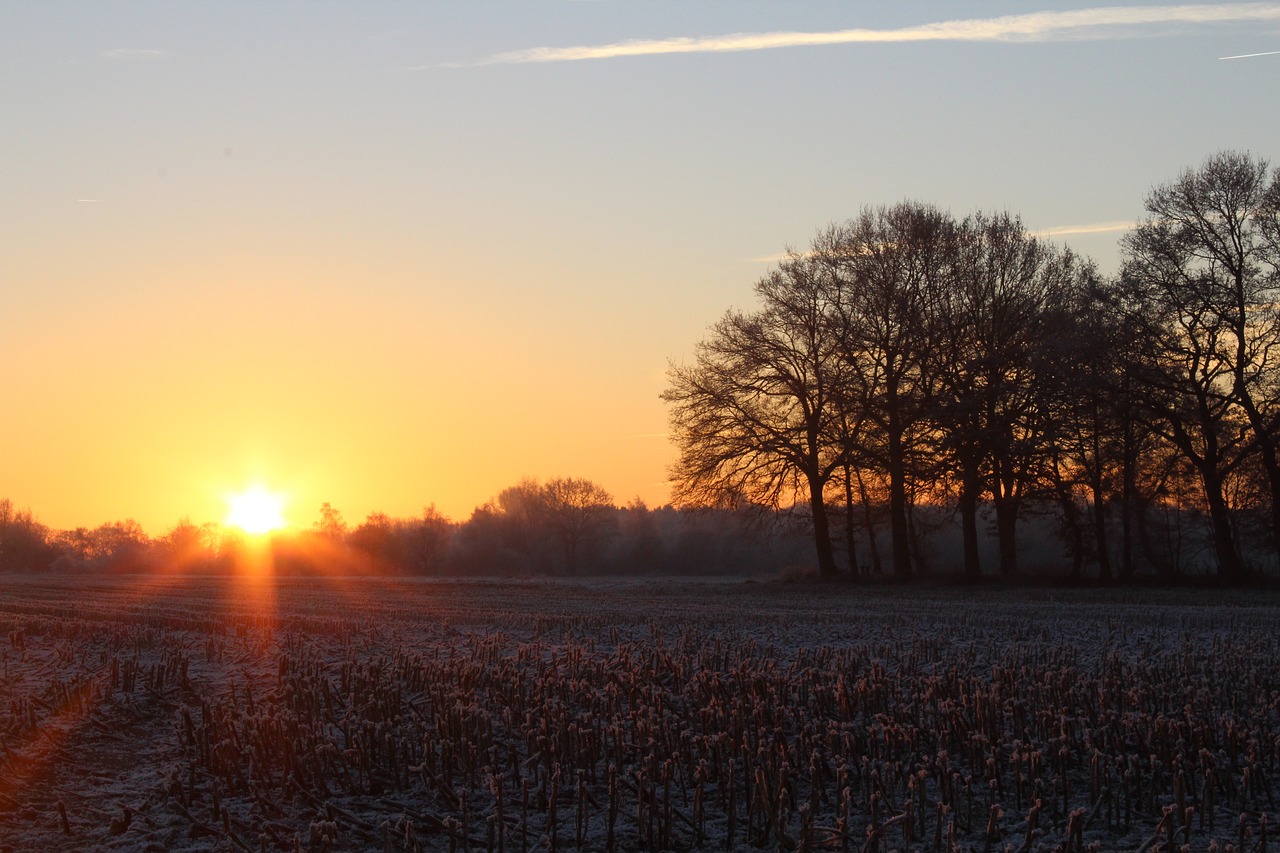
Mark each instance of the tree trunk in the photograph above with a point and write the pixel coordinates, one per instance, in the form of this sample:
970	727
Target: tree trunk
869	515
1230	566
850	535
1164	563
1007	533
970	488
1267	455
821	530
1129	494
901	535
1208	464
919	558
899	532
1263	435
1100	530
1006	528
1101	544
1073	524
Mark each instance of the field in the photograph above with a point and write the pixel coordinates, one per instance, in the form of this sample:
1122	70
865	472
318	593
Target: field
159	714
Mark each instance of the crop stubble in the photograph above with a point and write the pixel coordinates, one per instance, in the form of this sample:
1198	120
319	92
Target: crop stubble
355	714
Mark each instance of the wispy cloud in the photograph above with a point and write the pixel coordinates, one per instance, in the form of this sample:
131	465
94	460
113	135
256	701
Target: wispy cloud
1091	228
1098	23
121	53
1251	55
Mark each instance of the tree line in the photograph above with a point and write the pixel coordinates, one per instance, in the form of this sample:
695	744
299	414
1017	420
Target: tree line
913	375
561	527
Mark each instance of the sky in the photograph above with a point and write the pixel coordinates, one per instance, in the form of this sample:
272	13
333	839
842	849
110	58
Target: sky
393	254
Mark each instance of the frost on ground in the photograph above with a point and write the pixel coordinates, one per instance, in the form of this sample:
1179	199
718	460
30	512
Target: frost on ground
160	714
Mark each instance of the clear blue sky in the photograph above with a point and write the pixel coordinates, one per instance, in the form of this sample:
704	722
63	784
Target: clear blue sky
389	254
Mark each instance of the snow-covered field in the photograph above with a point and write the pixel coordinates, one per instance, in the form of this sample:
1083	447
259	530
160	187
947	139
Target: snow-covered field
387	715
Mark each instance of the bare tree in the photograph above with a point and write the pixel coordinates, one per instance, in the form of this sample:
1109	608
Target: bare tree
381	539
992	370
429	537
24	541
185	544
1214	233
1090	416
890	265
1186	363
756	416
331	523
580	513
518	524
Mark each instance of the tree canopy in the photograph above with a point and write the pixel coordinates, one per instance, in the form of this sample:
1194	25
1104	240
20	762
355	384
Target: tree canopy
910	362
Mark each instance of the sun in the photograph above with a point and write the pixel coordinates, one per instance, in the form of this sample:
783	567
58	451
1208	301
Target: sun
255	511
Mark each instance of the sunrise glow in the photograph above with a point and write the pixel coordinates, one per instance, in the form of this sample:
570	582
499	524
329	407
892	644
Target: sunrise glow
256	511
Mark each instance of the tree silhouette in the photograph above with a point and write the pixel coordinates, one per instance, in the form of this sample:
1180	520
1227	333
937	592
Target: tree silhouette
993	368
892	264
1210	251
756	417
580	513
1090	415
429	537
24	541
1199	288
330	524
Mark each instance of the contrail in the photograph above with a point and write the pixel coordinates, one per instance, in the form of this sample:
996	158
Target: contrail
1091	228
1033	26
1251	55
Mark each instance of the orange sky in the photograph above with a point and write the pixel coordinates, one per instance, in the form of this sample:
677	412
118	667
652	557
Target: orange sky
157	407
154	399
368	254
